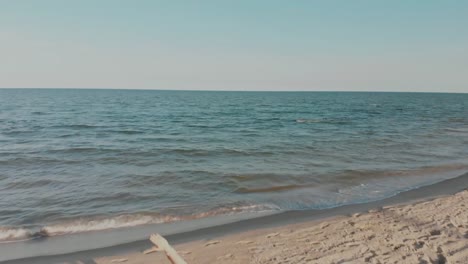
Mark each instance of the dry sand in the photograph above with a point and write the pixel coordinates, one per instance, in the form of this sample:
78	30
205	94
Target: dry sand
433	231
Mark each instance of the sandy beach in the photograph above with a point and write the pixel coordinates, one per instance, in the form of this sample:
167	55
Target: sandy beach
433	231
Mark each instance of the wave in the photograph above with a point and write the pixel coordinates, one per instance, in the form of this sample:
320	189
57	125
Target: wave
457	130
39	113
19	161
274	182
361	175
14	234
199	152
277	188
90	224
31	184
99	223
324	121
79	126
125	132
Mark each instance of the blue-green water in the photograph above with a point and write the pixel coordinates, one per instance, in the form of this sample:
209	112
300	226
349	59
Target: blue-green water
82	160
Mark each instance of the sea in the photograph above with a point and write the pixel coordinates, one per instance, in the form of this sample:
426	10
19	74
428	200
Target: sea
79	160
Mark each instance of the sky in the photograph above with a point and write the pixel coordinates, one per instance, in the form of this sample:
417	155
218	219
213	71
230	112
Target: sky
360	45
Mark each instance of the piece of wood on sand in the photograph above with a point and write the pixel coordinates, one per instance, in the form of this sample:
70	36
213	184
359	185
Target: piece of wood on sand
161	243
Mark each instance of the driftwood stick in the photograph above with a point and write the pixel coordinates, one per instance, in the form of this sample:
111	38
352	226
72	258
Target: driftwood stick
171	254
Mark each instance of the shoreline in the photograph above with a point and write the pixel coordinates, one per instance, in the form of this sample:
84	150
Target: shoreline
283	219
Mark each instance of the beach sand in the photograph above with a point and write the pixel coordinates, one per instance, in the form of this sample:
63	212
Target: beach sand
434	231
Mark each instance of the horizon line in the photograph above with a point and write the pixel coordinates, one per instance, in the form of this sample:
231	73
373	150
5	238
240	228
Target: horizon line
224	90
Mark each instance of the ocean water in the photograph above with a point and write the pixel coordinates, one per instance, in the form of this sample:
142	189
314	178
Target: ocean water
85	160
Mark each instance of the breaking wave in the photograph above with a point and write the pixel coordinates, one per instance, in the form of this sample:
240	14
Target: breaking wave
88	224
14	234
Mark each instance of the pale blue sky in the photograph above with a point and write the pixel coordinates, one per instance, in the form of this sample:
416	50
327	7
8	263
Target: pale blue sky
235	45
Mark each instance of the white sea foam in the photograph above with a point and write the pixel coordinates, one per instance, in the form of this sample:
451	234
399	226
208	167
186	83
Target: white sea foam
88	224
85	225
11	233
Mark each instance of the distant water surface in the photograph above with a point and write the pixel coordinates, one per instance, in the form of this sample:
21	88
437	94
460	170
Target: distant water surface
83	160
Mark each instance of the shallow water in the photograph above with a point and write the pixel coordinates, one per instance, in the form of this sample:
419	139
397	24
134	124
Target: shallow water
84	160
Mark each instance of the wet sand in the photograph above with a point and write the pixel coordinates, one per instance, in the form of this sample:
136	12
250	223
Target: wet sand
424	225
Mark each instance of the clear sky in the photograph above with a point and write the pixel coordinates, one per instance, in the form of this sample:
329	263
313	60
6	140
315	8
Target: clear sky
378	45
